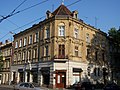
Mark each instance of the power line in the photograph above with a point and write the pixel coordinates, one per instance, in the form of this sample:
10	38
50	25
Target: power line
73	3
22	26
13	23
32	6
21	10
12	13
27	9
18	6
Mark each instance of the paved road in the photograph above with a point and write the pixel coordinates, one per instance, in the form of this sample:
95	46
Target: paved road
3	88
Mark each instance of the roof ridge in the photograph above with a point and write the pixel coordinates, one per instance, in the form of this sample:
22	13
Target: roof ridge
62	10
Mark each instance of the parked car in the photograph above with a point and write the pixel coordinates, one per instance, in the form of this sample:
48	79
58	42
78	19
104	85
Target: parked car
112	86
83	86
87	86
25	86
77	86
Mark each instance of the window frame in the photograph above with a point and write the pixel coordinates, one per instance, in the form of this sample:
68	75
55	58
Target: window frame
30	39
61	30
25	41
16	44
20	43
76	33
76	51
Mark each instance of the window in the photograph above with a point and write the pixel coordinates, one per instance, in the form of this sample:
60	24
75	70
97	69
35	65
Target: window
76	33
88	52
95	71
35	53
47	33
76	51
30	39
29	54
20	43
103	56
19	56
103	43
25	41
36	37
15	58
96	56
61	30
24	54
16	44
96	41
98	71
61	51
87	38
46	50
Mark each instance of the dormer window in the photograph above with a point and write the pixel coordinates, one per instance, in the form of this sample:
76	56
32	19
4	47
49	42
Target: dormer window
75	14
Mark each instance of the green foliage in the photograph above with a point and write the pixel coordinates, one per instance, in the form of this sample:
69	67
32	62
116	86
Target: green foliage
115	35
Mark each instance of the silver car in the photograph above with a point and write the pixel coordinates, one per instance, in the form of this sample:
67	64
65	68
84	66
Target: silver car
25	86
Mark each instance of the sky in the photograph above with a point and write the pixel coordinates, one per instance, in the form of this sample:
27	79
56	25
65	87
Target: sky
102	14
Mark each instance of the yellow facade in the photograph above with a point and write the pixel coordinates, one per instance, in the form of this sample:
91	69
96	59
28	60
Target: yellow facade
64	44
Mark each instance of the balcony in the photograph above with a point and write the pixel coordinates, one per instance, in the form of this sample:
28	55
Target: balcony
60	58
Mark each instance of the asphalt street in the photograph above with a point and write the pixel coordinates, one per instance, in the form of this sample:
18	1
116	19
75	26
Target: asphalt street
3	88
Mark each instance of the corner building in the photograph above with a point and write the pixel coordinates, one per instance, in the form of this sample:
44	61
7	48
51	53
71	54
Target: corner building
59	51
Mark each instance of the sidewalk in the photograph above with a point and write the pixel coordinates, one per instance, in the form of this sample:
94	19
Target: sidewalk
43	88
7	86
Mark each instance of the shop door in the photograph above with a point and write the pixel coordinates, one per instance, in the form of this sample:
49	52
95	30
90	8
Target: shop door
60	80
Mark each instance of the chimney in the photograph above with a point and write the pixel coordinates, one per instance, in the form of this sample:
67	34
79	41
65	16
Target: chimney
6	41
48	13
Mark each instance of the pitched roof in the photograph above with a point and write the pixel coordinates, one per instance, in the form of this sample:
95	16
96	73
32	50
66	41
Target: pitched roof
62	10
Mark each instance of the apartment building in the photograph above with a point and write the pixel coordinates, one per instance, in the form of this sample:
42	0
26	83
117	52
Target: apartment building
6	51
60	51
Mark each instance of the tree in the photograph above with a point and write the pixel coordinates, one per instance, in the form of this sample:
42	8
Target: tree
114	42
114	34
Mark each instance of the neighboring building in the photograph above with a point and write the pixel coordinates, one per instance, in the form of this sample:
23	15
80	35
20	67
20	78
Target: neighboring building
59	51
114	52
6	50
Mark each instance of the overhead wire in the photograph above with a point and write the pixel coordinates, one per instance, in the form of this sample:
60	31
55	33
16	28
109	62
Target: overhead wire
73	3
22	26
36	19
14	13
18	6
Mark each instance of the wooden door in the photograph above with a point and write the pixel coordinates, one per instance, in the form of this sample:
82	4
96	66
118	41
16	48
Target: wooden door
60	79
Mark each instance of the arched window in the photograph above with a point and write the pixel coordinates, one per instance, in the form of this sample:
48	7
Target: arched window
61	29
